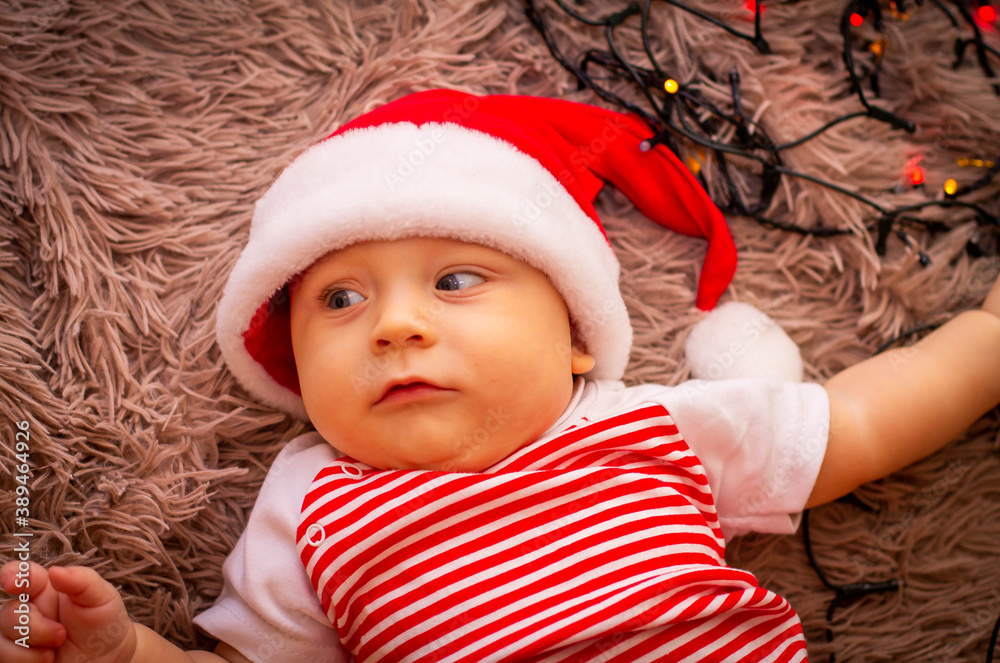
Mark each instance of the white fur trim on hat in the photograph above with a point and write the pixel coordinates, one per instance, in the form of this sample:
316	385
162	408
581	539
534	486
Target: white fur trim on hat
400	180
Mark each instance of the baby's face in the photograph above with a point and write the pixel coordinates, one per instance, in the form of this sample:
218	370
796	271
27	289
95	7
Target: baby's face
427	353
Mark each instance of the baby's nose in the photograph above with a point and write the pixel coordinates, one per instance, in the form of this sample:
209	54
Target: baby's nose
403	324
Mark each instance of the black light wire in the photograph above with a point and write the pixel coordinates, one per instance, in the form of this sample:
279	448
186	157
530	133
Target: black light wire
755	145
982	50
843	593
874	112
993	641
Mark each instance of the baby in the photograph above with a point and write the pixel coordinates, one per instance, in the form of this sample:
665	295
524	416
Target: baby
432	288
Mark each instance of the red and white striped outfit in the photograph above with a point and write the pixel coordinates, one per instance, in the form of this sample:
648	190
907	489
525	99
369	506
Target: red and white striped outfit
601	541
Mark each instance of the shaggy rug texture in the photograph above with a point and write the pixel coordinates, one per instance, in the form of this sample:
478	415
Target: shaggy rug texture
135	137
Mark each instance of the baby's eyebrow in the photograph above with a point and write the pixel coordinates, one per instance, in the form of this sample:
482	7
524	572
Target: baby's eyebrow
323	269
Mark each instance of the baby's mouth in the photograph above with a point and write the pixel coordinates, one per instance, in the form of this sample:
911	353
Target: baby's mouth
406	387
410	390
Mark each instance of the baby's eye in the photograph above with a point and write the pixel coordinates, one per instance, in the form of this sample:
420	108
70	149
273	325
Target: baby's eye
459	280
340	299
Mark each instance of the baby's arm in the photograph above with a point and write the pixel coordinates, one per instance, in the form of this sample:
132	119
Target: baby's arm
75	613
902	405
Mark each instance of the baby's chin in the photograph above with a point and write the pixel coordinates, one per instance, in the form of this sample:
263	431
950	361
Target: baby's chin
424	443
468	459
454	463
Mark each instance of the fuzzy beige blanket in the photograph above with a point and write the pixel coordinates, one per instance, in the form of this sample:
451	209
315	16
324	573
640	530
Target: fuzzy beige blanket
135	137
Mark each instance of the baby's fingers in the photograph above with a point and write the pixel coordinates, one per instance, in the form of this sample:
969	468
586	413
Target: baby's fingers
24	623
93	613
13	653
31	580
27	618
83	586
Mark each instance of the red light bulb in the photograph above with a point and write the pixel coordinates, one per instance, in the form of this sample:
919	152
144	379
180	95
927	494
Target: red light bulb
986	13
917	176
857	19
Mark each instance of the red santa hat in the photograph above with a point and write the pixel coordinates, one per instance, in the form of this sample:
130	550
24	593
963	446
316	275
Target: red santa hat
518	174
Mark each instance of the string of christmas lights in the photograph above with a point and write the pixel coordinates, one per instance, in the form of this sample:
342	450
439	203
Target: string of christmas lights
677	110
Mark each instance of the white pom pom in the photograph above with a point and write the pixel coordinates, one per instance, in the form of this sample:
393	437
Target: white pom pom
738	341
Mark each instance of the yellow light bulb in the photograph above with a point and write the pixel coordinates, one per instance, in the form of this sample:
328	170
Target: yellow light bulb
693	165
671	86
950	186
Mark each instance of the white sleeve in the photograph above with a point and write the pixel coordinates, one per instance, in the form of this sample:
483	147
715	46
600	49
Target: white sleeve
268	609
761	442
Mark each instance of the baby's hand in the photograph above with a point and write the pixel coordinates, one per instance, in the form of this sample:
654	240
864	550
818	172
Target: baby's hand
74	616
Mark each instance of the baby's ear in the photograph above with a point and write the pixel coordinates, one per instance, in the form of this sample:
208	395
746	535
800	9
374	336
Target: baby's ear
580	361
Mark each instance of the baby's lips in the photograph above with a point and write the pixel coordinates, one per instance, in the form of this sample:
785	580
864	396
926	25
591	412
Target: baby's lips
410	391
402	383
